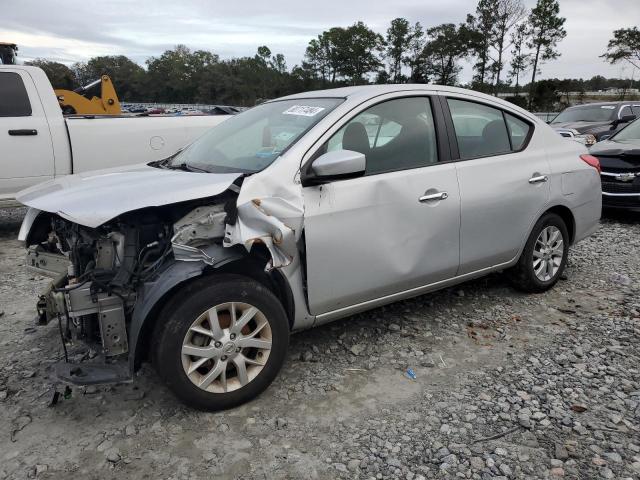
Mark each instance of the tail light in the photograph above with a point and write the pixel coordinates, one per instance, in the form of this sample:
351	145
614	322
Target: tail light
591	160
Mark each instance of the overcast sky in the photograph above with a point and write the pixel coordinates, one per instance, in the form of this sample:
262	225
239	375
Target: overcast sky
75	30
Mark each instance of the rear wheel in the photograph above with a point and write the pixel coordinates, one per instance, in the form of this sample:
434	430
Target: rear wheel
544	257
221	341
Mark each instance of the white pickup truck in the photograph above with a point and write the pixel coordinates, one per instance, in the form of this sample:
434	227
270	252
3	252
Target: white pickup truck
38	143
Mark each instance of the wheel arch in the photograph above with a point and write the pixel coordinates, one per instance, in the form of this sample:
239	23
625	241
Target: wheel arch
250	265
567	216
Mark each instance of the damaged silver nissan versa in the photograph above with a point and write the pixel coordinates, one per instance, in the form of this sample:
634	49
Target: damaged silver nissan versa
294	213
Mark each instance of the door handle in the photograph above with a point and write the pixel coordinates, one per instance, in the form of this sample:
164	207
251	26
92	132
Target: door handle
538	179
434	196
23	132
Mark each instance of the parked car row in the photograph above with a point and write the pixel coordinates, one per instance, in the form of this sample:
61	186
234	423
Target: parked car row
611	130
147	110
594	122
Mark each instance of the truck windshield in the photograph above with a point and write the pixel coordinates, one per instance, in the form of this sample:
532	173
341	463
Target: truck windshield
252	140
588	113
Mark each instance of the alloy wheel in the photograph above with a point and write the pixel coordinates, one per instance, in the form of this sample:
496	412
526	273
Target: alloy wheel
226	347
548	252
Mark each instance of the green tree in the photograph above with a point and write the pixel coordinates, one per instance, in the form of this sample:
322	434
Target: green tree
447	45
519	57
546	29
482	30
397	44
414	59
625	45
127	76
58	74
508	14
357	53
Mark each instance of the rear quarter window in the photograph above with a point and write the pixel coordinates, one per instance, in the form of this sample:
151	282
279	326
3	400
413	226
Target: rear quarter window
14	101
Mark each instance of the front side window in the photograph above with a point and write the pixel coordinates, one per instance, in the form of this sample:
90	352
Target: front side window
14	101
480	129
394	135
252	140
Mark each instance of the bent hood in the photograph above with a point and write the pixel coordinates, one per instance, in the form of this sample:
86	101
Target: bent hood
93	198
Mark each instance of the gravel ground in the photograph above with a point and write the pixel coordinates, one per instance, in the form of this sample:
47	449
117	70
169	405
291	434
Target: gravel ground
506	386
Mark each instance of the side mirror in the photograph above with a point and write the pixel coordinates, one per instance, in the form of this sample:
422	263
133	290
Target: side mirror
339	164
624	119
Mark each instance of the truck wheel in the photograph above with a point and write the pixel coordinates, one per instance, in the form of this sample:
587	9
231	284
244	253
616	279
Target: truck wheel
220	341
544	256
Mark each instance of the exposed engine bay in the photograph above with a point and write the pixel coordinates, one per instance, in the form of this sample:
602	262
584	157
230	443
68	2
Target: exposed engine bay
99	272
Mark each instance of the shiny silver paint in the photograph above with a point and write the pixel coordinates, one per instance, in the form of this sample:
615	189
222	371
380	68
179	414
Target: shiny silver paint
375	239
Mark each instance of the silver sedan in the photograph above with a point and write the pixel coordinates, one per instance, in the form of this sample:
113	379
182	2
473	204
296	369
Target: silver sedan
300	211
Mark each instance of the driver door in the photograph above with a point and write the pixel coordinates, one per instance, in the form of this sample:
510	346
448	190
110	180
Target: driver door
395	228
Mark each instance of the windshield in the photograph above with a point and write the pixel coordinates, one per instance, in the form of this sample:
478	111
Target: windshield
630	132
252	140
588	113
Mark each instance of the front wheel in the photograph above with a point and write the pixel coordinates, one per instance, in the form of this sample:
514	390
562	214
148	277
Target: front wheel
220	341
544	256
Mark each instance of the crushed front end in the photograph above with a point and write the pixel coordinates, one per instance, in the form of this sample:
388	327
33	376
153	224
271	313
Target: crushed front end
106	279
96	276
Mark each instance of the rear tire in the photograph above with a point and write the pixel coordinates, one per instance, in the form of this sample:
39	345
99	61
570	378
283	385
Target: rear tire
544	257
220	341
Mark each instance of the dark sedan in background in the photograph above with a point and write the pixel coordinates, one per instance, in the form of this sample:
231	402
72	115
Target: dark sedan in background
620	163
593	122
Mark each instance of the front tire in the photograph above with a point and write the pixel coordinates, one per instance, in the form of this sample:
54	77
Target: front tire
544	257
220	341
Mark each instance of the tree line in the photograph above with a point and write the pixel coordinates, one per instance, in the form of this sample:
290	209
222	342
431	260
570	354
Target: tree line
506	43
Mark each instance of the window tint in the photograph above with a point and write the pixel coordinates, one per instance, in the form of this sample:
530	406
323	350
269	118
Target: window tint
636	110
14	101
480	130
626	111
394	135
518	130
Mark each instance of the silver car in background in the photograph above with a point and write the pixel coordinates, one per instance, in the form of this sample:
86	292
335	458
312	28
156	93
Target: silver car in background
297	212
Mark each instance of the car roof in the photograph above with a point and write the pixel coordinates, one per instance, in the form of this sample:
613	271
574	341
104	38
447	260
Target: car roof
362	93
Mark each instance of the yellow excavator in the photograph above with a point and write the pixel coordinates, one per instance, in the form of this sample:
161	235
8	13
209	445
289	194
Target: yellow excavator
81	102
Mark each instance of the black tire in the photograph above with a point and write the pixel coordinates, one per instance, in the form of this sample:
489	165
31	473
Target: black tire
188	304
522	275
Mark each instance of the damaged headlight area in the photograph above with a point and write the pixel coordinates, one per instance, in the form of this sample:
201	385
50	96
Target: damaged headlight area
99	274
96	274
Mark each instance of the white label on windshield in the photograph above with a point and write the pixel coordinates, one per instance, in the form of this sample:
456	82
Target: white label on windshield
608	107
303	110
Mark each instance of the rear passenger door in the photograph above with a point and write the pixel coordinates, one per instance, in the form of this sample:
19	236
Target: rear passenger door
503	181
26	152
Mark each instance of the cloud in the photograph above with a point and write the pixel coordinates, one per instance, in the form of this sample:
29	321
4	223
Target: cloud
76	30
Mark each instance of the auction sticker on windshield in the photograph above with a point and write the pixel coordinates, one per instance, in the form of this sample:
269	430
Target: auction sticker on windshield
303	110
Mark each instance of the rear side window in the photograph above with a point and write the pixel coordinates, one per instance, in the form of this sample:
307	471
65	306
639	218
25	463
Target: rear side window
480	130
14	101
518	131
